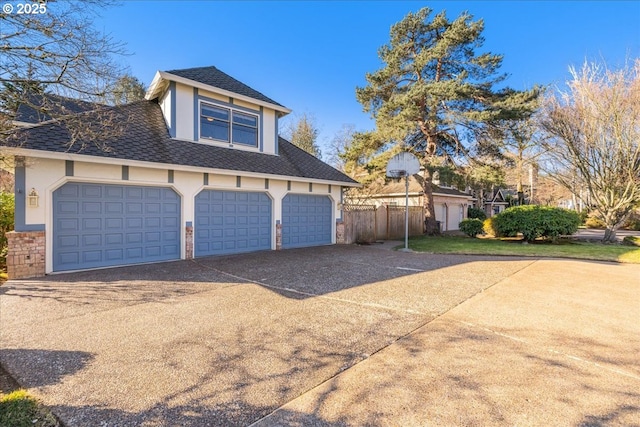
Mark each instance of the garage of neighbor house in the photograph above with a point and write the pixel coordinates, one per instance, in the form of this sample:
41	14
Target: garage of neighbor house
196	169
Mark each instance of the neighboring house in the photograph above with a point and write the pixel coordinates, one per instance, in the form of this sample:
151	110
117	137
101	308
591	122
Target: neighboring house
499	202
197	169
450	204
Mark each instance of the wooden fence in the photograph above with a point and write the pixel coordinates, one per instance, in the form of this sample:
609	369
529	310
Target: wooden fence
371	223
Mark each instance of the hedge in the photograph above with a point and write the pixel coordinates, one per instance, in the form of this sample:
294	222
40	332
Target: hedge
534	221
471	227
476	213
7	204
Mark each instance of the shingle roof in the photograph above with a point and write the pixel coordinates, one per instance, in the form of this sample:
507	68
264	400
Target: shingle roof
39	108
145	137
214	77
416	187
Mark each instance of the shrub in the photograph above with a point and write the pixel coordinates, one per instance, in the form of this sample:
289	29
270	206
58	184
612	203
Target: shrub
633	222
6	223
536	221
476	213
593	222
471	227
631	240
489	228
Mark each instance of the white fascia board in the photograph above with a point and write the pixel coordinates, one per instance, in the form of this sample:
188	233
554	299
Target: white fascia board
462	196
164	166
157	87
435	193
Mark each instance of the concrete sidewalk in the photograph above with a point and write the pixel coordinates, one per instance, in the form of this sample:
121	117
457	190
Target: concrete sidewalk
286	338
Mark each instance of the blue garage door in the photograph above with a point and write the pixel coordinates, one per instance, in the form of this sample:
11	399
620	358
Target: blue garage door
231	222
97	225
306	220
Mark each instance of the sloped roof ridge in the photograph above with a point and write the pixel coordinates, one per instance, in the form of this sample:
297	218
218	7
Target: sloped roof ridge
213	76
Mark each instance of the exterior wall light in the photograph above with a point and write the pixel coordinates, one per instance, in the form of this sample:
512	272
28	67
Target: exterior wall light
32	198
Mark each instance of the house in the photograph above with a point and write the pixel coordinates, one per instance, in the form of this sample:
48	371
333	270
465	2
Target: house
450	204
196	169
499	202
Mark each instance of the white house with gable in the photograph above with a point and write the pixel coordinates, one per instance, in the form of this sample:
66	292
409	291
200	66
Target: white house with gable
197	169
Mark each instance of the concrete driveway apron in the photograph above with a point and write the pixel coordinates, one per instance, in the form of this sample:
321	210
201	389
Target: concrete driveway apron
338	335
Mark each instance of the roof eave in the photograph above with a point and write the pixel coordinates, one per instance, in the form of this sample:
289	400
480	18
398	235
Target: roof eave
27	152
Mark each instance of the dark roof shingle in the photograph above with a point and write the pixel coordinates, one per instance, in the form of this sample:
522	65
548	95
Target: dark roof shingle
144	137
41	108
214	77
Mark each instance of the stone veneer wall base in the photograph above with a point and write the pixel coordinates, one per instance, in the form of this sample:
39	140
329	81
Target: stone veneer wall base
26	254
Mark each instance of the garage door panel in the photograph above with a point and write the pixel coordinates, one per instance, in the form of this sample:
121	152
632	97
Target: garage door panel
91	224
114	254
306	220
117	229
235	222
69	241
89	191
113	207
114	238
114	192
92	256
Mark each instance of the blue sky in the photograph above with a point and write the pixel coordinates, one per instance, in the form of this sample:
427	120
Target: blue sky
311	55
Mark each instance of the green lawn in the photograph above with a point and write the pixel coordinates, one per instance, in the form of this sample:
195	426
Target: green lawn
19	409
564	249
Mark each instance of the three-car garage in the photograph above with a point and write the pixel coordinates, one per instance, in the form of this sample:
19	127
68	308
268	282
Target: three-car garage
104	225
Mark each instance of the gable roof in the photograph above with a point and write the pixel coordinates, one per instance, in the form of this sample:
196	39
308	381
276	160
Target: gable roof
144	137
212	76
39	108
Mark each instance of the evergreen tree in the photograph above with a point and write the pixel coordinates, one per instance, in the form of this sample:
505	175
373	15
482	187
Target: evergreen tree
126	89
304	134
434	94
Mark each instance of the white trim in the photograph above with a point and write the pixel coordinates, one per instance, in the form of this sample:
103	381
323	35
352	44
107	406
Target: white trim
185	168
414	194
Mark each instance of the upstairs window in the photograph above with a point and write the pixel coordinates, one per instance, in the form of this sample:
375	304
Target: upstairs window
228	125
245	129
214	123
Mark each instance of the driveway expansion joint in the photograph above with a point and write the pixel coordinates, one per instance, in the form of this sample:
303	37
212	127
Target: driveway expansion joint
549	350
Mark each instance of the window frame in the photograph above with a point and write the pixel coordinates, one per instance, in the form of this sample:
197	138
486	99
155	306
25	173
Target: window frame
230	124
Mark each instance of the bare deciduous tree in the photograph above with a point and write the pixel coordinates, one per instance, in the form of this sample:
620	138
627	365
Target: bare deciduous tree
59	53
595	125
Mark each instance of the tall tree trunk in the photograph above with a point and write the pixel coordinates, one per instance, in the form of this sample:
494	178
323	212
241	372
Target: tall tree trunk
432	228
609	235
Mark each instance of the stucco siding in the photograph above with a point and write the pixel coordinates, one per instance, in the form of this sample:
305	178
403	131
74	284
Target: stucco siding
184	112
269	131
47	175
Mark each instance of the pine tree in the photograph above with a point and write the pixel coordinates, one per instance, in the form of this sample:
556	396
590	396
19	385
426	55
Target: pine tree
304	134
435	95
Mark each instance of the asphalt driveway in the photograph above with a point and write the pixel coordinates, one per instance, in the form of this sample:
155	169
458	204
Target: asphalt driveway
338	335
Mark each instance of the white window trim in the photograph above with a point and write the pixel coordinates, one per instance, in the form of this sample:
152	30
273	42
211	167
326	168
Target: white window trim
231	109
